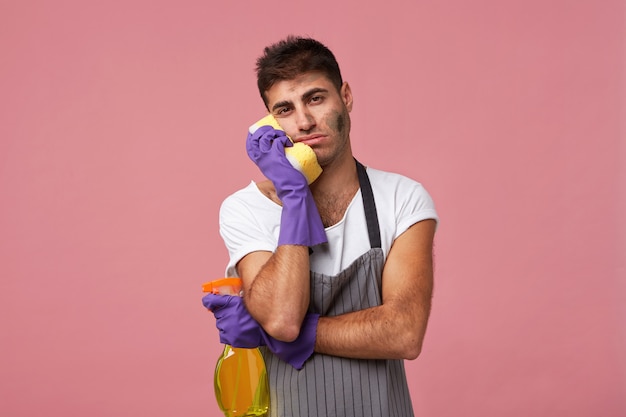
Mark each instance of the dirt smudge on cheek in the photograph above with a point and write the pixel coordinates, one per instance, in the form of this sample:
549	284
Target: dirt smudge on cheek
337	122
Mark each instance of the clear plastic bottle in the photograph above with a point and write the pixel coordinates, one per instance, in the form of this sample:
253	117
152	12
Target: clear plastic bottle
241	385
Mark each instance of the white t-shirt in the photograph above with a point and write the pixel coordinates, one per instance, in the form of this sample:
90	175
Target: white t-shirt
249	222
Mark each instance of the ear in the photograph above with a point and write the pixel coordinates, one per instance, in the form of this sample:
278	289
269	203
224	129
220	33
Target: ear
346	95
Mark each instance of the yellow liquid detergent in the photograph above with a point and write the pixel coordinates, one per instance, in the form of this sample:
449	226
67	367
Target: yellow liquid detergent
241	385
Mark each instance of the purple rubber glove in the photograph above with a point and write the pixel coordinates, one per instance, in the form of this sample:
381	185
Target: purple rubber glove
237	327
300	221
297	352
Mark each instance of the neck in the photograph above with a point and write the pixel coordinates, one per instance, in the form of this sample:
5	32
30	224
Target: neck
334	190
336	177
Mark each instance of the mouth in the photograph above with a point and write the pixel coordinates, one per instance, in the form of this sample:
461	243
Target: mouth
309	139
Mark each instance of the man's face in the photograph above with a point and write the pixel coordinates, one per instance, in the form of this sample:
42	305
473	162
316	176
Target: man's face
311	110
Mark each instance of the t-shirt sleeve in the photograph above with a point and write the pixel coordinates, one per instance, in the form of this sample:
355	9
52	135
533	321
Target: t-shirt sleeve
415	205
242	231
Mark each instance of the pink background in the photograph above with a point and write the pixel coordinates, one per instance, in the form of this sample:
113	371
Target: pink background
122	127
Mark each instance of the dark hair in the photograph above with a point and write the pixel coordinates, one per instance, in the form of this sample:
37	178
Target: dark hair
292	56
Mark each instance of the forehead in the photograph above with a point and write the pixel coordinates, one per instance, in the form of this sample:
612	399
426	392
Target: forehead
294	89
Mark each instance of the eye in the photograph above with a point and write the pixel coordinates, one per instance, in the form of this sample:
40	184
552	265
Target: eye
316	99
282	111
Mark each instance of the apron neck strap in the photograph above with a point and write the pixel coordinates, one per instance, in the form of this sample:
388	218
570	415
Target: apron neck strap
369	204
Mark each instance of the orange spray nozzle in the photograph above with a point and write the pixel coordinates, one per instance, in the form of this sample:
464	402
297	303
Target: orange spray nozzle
223	286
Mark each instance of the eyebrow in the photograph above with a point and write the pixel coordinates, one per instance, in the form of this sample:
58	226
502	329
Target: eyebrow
304	97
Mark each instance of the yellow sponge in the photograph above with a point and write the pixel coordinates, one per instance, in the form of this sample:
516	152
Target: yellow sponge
301	156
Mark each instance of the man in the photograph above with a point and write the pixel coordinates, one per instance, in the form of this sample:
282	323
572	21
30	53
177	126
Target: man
337	275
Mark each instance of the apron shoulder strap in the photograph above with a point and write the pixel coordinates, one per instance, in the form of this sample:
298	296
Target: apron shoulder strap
371	216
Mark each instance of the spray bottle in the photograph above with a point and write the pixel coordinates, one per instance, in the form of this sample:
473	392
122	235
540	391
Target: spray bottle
241	385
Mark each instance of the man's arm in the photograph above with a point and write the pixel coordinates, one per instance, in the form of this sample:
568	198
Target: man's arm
276	286
277	289
396	328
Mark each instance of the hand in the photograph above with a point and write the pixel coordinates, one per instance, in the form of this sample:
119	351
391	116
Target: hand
266	147
300	222
237	327
297	352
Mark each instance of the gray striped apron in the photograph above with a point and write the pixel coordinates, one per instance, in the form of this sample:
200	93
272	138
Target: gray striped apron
330	386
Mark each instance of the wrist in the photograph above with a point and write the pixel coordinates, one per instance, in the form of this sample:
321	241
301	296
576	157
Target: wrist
300	222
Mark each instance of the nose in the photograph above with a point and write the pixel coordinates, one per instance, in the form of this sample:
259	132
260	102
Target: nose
304	120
